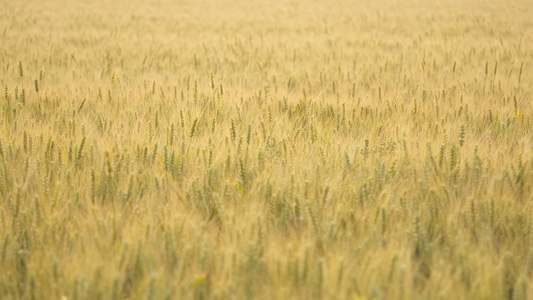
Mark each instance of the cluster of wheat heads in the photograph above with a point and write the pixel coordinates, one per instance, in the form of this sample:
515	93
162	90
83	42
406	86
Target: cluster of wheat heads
249	150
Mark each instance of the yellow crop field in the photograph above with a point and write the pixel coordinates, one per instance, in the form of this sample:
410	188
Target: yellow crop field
247	149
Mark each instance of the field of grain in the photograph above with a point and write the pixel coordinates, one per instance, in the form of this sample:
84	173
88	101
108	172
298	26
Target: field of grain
246	149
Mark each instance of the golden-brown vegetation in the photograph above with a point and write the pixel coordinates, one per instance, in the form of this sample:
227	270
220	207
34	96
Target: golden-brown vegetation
266	150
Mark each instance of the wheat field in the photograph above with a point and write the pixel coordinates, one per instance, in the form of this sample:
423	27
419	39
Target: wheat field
251	149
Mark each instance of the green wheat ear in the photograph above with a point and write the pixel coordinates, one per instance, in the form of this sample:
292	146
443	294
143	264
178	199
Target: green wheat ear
21	70
462	135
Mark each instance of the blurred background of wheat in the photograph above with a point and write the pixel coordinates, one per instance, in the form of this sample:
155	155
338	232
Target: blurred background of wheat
266	150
